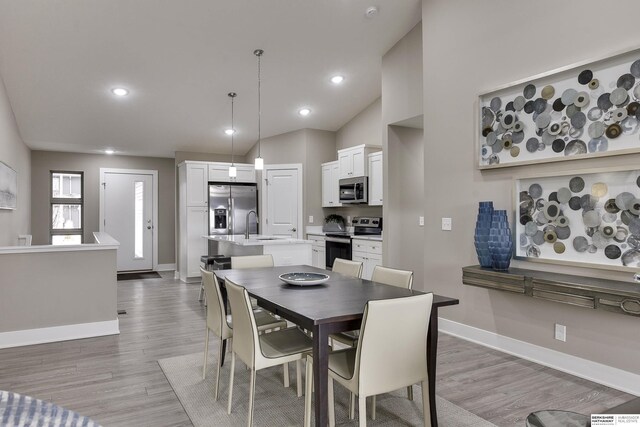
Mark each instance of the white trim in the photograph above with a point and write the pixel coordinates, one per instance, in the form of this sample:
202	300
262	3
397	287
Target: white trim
59	333
583	368
263	214
154	175
166	267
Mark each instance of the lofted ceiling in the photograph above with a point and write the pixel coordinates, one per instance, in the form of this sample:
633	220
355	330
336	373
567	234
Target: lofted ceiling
59	60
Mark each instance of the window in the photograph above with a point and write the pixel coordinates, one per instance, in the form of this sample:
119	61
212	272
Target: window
66	201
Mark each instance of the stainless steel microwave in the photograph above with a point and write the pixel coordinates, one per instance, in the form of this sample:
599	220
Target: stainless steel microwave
354	190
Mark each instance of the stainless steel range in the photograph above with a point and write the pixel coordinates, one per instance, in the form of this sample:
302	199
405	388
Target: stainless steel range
338	244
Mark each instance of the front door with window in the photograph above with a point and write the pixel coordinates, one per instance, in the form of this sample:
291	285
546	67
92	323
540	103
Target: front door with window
127	210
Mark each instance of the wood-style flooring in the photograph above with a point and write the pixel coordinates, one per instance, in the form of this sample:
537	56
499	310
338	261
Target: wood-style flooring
117	381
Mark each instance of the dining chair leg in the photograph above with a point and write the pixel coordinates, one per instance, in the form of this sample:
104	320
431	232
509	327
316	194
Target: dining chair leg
362	411
308	385
299	377
286	374
332	407
425	403
206	351
201	291
410	392
352	406
233	368
252	392
373	407
218	366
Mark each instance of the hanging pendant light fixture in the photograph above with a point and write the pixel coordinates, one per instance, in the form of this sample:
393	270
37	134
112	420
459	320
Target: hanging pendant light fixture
259	165
232	169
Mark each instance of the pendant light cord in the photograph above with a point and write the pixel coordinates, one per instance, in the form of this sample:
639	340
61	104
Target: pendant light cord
258	53
232	95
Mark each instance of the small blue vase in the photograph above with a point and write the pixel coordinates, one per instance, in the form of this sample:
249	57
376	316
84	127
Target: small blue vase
481	236
500	241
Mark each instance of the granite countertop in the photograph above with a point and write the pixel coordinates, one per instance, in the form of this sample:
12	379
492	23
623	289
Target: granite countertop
257	240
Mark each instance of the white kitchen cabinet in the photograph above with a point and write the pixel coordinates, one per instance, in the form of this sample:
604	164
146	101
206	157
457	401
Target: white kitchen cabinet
317	250
330	183
369	253
375	179
196	184
353	161
219	172
197	223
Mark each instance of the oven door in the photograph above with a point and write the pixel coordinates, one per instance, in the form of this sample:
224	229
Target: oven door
336	247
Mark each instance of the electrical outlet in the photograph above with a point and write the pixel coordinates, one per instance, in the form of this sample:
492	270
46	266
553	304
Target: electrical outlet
310	219
560	332
348	220
446	224
421	221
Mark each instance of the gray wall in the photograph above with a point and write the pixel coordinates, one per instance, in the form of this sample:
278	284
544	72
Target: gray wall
15	154
459	42
45	161
309	147
403	245
60	295
364	128
181	156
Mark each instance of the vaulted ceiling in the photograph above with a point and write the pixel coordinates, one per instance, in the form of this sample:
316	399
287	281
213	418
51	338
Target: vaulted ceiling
60	59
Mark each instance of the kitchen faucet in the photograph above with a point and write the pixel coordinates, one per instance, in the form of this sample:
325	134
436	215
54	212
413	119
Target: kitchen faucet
246	230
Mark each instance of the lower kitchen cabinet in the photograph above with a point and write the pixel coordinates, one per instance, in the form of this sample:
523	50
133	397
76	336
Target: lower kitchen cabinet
317	250
369	253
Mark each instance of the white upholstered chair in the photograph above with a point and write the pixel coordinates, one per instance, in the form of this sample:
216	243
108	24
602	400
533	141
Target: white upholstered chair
347	267
221	324
261	351
251	261
386	358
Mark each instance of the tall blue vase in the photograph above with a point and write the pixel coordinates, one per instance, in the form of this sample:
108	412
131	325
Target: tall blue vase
481	236
500	241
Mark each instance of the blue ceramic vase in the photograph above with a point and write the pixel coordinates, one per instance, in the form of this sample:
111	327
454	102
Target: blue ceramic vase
500	241
481	236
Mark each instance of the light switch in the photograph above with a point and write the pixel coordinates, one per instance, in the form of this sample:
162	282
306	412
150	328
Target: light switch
421	221
560	332
446	224
310	219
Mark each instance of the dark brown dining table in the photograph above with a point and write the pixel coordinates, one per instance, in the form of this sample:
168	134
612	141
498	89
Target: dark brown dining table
334	306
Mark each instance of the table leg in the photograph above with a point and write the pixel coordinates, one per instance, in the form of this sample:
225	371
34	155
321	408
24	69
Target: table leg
432	352
320	373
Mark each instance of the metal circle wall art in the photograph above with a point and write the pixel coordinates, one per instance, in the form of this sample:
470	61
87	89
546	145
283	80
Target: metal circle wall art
587	110
589	218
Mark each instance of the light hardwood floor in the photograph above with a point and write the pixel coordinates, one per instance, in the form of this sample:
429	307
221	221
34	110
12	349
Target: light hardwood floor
116	380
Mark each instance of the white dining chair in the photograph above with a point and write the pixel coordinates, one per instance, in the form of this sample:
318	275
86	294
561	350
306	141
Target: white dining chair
251	261
261	351
347	267
221	324
388	276
386	358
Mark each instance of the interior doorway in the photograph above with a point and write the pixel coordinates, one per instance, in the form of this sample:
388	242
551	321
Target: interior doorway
282	200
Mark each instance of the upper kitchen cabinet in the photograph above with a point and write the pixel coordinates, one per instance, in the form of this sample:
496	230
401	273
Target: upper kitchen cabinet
195	183
375	179
330	185
219	172
353	160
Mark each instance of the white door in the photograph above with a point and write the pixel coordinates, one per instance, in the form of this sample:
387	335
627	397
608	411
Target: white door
283	193
127	215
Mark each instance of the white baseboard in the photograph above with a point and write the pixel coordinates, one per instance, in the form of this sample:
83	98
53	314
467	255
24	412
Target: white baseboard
166	267
59	333
583	368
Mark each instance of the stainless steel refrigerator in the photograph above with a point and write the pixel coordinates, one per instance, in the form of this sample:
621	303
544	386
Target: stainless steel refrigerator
228	208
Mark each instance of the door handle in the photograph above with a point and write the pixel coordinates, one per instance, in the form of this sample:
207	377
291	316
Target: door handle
148	227
294	229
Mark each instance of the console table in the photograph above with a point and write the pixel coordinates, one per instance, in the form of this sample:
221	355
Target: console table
597	294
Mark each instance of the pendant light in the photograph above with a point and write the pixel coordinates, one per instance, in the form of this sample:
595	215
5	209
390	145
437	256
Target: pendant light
232	169
259	165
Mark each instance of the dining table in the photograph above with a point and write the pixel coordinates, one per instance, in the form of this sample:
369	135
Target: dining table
336	305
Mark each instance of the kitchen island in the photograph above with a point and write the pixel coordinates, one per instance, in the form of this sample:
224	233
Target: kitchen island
284	250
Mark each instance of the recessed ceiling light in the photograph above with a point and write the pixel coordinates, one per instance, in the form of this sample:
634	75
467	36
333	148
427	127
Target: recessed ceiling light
109	151
229	131
304	111
337	79
120	91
